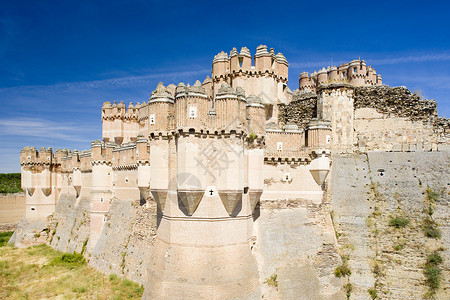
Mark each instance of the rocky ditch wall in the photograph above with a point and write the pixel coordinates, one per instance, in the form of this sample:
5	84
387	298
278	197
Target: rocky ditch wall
381	213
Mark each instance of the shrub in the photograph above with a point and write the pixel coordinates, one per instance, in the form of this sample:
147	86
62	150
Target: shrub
251	137
112	277
398	222
342	270
430	229
348	289
373	293
433	275
432	196
432	271
69	260
272	281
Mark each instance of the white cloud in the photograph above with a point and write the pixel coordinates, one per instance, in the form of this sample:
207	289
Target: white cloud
40	128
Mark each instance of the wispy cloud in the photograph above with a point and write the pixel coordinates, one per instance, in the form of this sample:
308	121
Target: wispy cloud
411	58
40	128
126	81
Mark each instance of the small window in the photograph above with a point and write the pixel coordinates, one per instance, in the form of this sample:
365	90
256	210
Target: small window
126	180
101	199
104	218
29	157
48	158
137	153
279	146
355	69
192	112
32	208
152	119
343	74
328	139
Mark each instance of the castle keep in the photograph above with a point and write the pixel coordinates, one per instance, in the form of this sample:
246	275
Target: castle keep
212	156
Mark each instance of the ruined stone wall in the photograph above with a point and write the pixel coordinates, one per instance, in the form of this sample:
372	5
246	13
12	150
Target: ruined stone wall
300	111
368	190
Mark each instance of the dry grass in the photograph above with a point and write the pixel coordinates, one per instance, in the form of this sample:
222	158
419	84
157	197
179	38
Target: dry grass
39	272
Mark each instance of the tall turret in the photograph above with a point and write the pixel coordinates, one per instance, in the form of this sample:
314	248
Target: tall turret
160	107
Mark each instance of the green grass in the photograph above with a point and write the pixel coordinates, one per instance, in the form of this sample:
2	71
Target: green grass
398	222
10	183
40	272
4	237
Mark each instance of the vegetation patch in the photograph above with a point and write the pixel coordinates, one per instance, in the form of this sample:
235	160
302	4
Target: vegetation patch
10	183
398	222
433	272
342	270
4	237
272	281
40	272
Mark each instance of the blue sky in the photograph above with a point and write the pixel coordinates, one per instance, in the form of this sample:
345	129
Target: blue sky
60	60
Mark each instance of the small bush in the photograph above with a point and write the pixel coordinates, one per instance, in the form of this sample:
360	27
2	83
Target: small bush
251	138
69	260
432	270
348	289
434	259
432	196
272	281
430	229
433	275
373	293
398	222
342	270
398	247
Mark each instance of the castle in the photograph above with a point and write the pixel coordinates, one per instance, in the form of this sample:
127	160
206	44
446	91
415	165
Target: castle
209	154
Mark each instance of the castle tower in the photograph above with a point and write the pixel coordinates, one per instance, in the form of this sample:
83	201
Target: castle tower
305	83
102	188
107	121
333	74
336	105
205	218
322	77
357	72
38	182
220	69
160	106
191	107
131	126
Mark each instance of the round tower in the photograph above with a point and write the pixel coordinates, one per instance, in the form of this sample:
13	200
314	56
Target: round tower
356	74
263	59
160	106
333	74
322	77
305	83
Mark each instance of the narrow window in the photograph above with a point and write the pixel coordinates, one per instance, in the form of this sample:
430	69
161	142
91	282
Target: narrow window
192	112
279	146
152	119
328	139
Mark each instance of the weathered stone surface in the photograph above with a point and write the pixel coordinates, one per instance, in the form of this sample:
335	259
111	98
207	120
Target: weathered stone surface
300	111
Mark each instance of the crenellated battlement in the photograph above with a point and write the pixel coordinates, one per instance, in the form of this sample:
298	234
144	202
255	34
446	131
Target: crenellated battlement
265	63
356	73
